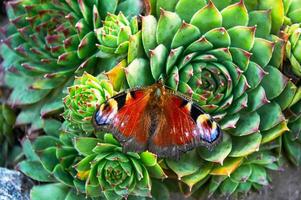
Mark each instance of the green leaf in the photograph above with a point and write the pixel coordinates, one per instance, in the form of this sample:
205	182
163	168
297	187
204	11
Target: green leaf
270	116
156	171
87	45
261	158
138	73
262	51
219	152
75	195
104	148
168	21
242	37
187	165
107	6
277	11
168	5
207	18
274	132
257	98
55	191
23	95
228	167
52	127
277	78
287	96
186	34
109	138
262	19
242	173
214	184
44	142
254	74
130	8
243	146
135	49
228	187
247	124
48	158
199	175
159	191
186	8
235	15
85	145
292	148
158	58
149	159
29	151
218	37
63	175
149	33
259	175
35	170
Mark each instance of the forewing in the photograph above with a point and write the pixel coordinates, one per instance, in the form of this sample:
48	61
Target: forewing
183	125
125	116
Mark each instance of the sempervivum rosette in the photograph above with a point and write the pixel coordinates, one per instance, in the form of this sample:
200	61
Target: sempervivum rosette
92	165
292	10
45	44
292	140
86	94
293	48
115	35
230	67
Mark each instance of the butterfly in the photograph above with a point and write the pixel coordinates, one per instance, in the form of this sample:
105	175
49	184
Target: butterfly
157	119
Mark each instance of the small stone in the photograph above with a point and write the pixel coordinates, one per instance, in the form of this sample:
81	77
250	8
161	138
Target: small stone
13	185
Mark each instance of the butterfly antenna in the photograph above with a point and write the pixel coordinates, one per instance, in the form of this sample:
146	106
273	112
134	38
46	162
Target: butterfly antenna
160	80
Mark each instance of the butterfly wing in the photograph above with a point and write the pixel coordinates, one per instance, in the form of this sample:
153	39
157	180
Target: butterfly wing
183	125
125	116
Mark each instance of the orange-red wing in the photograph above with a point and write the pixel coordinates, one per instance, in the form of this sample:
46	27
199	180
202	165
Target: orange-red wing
125	116
182	126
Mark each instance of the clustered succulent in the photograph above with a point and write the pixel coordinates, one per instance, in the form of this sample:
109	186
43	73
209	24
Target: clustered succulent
239	60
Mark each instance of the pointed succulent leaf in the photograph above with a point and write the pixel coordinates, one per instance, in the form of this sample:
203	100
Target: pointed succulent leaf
229	166
35	170
149	33
85	145
207	18
193	179
186	8
168	21
219	153
243	146
137	73
235	15
188	164
49	191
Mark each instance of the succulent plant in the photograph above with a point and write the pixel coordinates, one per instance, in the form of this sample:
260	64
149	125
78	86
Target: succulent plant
10	151
46	44
293	48
225	65
95	167
114	36
292	9
225	55
86	94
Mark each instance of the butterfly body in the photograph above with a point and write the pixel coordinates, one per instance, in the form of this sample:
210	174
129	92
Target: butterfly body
156	119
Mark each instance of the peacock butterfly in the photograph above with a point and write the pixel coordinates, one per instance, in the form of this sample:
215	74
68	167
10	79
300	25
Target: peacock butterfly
157	119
